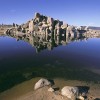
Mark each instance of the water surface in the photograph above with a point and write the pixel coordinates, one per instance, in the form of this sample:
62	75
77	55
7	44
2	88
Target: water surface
85	53
69	58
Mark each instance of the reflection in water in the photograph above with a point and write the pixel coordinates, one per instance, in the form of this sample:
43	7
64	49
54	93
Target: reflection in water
44	41
77	52
19	61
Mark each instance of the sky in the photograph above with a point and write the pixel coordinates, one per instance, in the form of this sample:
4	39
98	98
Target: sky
73	12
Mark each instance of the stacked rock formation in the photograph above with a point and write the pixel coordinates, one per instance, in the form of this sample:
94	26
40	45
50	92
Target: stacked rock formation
47	25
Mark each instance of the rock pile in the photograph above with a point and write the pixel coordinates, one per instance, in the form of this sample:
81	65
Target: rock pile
41	83
47	25
41	24
70	92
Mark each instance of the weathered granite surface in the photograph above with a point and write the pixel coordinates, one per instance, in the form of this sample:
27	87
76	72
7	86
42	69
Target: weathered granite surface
45	25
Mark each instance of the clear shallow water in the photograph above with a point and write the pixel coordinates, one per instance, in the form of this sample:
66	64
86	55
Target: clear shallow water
20	60
83	53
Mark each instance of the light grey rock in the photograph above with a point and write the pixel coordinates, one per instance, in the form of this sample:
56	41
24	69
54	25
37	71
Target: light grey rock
70	92
81	98
50	21
82	28
41	83
51	89
58	31
40	24
45	25
58	25
70	28
50	28
47	31
40	29
44	21
64	26
31	26
37	15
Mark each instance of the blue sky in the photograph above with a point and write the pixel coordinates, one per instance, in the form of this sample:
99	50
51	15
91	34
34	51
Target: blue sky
73	12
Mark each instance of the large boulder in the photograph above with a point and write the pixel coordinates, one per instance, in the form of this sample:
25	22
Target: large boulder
70	28
37	15
70	92
64	26
41	83
50	21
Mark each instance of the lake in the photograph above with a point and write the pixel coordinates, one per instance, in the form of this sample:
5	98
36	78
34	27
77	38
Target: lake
22	58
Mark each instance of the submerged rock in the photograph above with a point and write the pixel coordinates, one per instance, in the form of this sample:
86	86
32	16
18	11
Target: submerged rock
70	92
41	83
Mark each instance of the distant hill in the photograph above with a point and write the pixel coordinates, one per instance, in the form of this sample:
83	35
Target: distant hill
94	28
5	26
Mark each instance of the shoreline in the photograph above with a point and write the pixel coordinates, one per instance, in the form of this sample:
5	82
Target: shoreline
69	76
27	87
21	75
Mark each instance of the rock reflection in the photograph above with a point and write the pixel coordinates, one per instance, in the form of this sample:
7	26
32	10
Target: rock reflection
44	41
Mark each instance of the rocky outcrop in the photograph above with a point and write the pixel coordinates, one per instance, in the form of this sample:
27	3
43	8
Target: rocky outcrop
41	24
46	32
44	25
41	83
67	92
70	92
92	33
